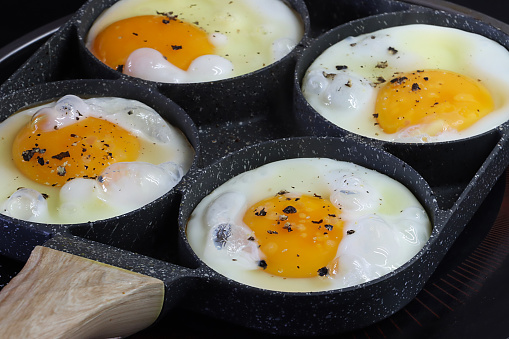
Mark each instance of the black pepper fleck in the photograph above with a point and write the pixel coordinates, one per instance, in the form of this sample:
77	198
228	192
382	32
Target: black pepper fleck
290	210
399	80
322	272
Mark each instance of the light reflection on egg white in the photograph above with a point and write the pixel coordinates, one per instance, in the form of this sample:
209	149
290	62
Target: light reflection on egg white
374	236
120	188
343	82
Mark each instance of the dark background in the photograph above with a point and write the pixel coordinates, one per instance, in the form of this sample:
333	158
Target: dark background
19	17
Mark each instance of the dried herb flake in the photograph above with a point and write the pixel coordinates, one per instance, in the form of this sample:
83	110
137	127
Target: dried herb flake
61	155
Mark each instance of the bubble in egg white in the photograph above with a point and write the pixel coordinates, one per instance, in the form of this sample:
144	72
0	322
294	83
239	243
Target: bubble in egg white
371	253
221	214
140	119
149	64
65	112
26	204
379	244
244	252
353	194
343	90
219	211
134	184
75	194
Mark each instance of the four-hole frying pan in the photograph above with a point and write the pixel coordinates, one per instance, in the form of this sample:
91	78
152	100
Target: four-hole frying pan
117	276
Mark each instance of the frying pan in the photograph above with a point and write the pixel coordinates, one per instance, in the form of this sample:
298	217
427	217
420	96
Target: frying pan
150	252
137	232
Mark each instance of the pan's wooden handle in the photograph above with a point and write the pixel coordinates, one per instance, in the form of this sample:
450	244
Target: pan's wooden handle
60	295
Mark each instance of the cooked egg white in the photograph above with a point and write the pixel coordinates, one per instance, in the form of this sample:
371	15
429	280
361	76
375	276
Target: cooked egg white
193	41
414	83
308	224
75	160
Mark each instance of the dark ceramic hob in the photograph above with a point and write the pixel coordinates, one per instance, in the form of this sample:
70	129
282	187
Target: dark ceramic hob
466	297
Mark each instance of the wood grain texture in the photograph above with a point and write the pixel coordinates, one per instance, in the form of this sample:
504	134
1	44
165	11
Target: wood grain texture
60	295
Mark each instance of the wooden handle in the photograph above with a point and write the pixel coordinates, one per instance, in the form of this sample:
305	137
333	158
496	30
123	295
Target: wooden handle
60	295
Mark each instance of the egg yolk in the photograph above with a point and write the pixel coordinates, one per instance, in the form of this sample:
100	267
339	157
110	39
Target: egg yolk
82	149
438	100
180	42
299	235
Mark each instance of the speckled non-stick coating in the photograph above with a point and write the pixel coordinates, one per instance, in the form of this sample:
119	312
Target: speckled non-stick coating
253	123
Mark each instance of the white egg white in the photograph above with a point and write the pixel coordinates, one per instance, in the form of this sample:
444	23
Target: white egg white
346	96
165	157
247	34
149	64
389	224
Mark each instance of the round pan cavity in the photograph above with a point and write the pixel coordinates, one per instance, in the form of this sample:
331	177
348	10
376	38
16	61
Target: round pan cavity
136	231
258	94
438	162
308	313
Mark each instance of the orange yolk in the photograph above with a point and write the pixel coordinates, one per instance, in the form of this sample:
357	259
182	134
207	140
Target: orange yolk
178	41
82	149
299	235
436	99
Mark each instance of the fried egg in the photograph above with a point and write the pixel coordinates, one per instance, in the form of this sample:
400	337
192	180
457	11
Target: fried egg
177	41
78	160
308	224
414	83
